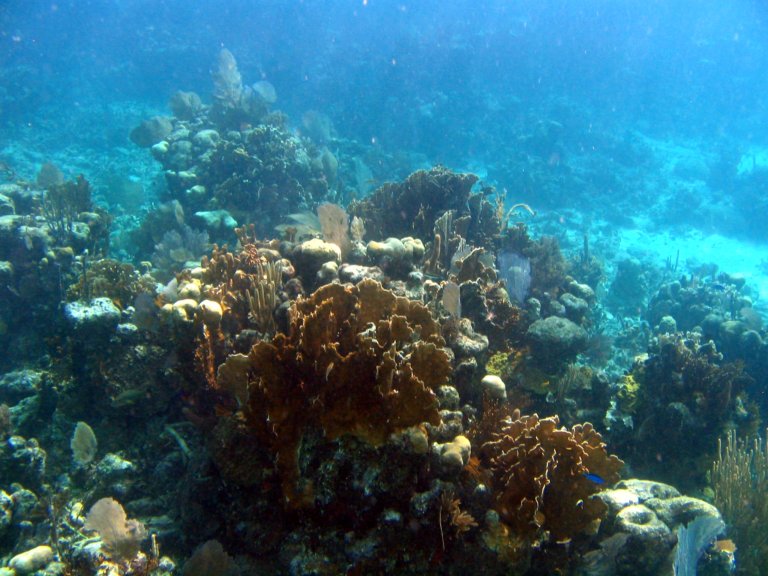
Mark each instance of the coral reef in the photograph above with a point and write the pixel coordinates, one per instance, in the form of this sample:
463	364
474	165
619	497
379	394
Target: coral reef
235	158
356	361
267	167
684	388
312	403
43	247
412	207
544	478
721	310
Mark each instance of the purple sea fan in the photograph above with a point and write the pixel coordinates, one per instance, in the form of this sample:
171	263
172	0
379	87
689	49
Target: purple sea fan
515	270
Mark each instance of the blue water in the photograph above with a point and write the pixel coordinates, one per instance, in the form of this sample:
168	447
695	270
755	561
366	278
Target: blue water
456	82
634	131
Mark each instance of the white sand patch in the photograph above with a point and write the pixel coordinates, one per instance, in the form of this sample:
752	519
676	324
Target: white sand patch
733	256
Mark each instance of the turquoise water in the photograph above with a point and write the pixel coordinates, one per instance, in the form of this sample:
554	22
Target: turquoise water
567	197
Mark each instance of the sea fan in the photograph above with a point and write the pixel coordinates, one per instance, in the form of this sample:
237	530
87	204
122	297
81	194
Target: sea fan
515	270
176	248
692	540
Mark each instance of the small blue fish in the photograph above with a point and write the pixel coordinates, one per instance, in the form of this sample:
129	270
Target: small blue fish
594	478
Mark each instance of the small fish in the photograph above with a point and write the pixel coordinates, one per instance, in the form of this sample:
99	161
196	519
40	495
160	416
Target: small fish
594	478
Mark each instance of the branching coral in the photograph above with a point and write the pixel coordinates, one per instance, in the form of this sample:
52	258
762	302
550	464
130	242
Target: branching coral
246	285
740	483
356	360
543	477
62	205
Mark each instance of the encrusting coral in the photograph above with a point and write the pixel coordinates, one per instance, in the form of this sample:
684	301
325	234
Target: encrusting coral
356	360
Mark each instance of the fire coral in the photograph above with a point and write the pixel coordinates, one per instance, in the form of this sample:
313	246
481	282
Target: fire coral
543	477
356	360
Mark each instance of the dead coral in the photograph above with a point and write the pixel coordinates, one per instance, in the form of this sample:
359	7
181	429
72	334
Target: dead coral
543	477
356	360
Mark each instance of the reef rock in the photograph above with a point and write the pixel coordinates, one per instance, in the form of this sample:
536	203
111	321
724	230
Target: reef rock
354	273
555	339
19	384
151	131
309	257
32	560
6	271
6	512
6	206
23	460
97	317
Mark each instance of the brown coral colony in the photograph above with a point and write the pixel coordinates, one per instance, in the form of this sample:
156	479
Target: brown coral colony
329	355
357	360
360	361
543	476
